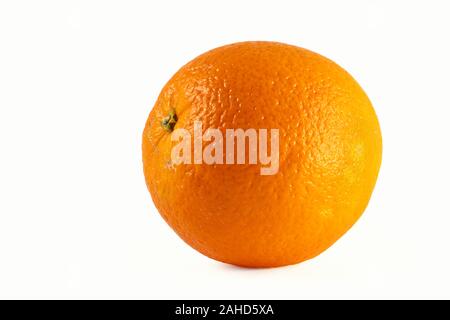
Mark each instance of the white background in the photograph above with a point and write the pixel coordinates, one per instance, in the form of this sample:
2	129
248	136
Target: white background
77	81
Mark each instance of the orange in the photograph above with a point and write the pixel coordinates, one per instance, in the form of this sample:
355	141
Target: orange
329	154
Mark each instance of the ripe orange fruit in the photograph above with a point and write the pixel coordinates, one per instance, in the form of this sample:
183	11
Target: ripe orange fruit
329	154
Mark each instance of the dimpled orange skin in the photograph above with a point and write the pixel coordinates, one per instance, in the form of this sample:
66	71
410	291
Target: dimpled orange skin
330	154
